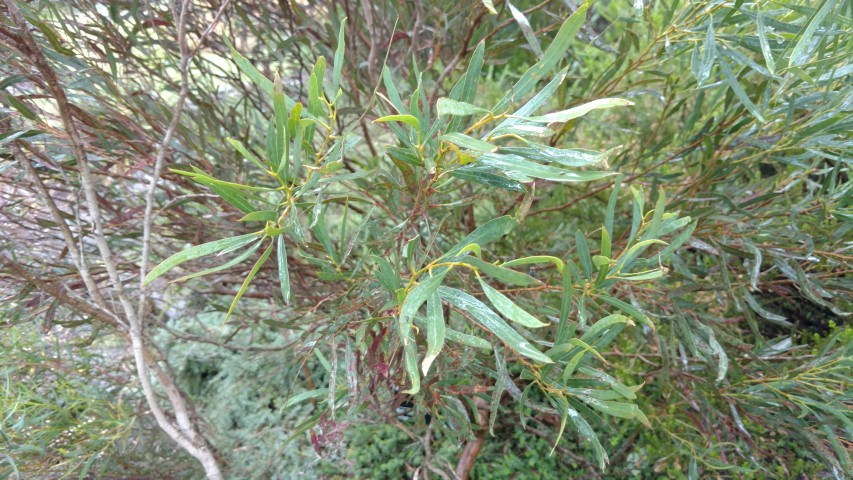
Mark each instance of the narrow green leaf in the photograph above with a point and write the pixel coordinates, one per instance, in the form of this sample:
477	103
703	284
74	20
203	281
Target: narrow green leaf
657	217
410	358
479	174
628	309
248	280
283	275
236	260
583	253
407	119
578	357
484	234
537	259
602	325
544	95
338	63
567	157
246	67
261	216
469	340
505	275
800	51
417	296
246	153
316	105
467	90
321	231
492	322
470	143
197	252
447	106
520	169
641	276
21	107
555	52
509	309
301	397
610	381
741	95
763	312
618	409
628	257
580	110
584	429
605	243
563	331
765	44
281	160
526	29
435	331
611	206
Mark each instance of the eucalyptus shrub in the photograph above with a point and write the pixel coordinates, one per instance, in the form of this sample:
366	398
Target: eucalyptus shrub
404	267
631	255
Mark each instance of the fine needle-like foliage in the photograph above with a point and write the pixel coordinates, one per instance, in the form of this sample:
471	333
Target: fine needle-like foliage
495	239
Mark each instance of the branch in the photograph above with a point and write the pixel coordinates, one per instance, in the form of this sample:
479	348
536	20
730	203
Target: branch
186	437
74	249
57	290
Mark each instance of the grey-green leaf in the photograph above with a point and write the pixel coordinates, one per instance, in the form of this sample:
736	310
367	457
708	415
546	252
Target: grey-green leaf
509	309
196	252
435	330
492	322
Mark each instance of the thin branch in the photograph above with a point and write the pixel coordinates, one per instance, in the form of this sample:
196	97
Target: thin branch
186	437
76	255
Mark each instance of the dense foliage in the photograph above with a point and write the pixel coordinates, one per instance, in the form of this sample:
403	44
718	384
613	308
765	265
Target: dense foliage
435	239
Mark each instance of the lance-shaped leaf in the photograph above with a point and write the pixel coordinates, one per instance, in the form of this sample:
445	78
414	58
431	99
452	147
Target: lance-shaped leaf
484	234
579	111
483	175
493	323
618	409
521	169
234	261
261	261
466	89
509	309
246	67
739	91
537	259
416	297
246	153
469	143
338	63
610	381
602	325
555	52
569	158
435	330
629	310
578	357
448	106
800	52
283	275
567	413
490	6
465	339
197	252
407	119
526	29
502	273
